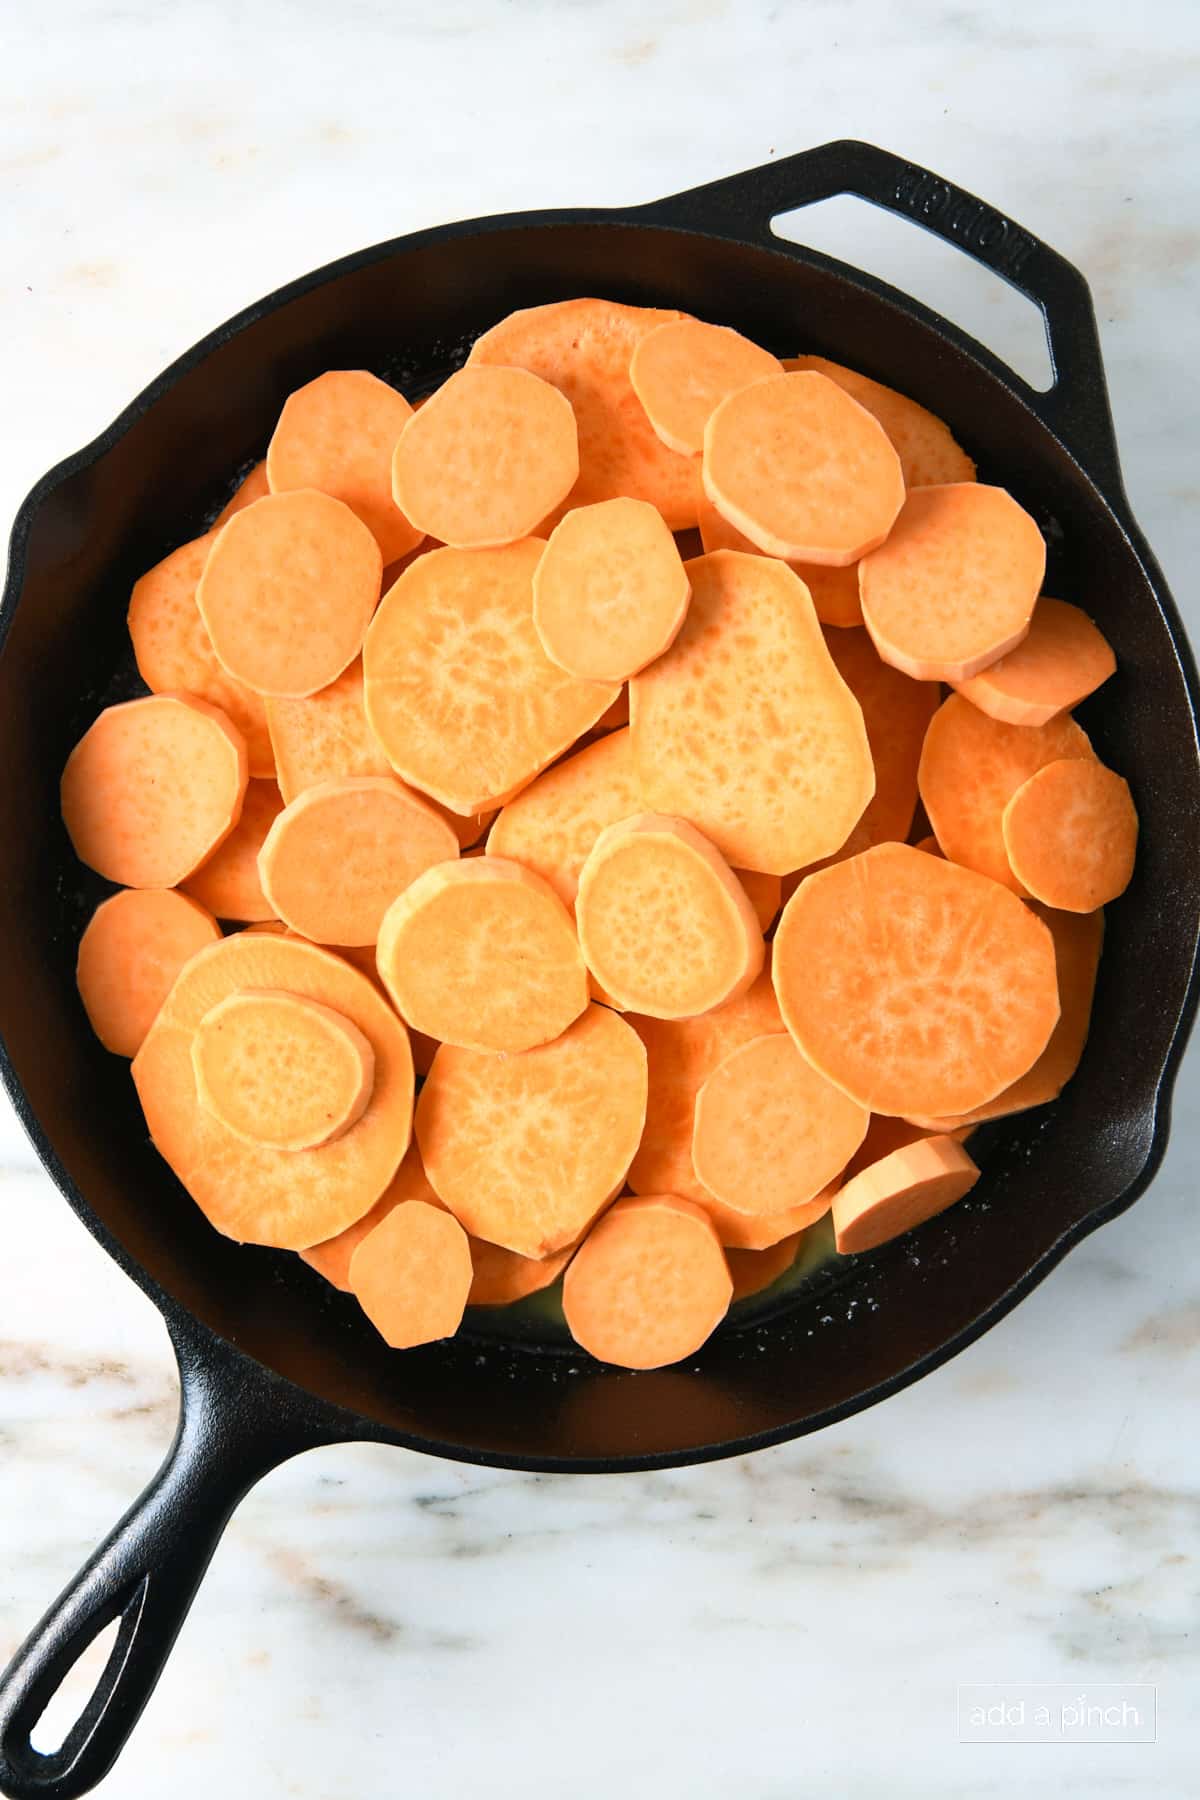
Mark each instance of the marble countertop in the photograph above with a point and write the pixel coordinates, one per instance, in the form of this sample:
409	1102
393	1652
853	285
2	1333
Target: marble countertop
794	1622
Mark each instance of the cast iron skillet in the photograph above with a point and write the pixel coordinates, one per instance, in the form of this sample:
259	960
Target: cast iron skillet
271	1360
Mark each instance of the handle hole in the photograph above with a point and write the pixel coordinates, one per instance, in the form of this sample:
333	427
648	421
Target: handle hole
68	1703
945	278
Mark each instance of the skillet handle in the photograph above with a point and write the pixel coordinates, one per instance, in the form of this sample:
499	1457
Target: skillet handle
234	1427
1076	407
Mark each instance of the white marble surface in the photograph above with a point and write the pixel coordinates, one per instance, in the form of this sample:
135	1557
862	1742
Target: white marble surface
791	1623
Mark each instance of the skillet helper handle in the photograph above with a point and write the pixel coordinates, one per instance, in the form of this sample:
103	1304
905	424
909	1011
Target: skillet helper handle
146	1574
1076	406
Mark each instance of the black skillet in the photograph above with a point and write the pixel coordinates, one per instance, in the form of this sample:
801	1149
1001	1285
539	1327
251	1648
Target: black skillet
273	1362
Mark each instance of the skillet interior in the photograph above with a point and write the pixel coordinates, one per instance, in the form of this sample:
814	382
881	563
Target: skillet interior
408	312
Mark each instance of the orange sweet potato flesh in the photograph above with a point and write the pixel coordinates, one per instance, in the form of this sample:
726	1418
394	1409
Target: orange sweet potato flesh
459	692
681	372
954	587
332	1258
753	1271
1078	939
745	727
884	1134
900	1191
337	434
610	591
934	987
526	1150
483	954
281	1071
1062	660
490	455
1071	833
174	652
769	1131
896	711
412	1274
765	894
552	824
335	859
583	347
666	927
324	736
762	1231
834	591
227	882
803	470
501	1277
649	1284
133	948
971	766
681	1054
253	486
288	590
285	1198
926	448
152	787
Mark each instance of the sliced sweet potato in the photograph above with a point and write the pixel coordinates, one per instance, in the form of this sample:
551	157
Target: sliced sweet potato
926	448
681	372
931	981
133	948
762	1231
282	1071
459	692
770	1132
152	787
490	455
666	927
411	1275
896	711
754	1271
288	589
501	1277
483	954
336	858
1078	938
765	894
584	348
1071	833
954	587
971	766
227	882
649	1284
834	591
681	1054
285	1198
324	736
884	1134
900	1191
803	470
610	592
332	1258
745	726
175	655
552	824
1062	660
337	434
525	1150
